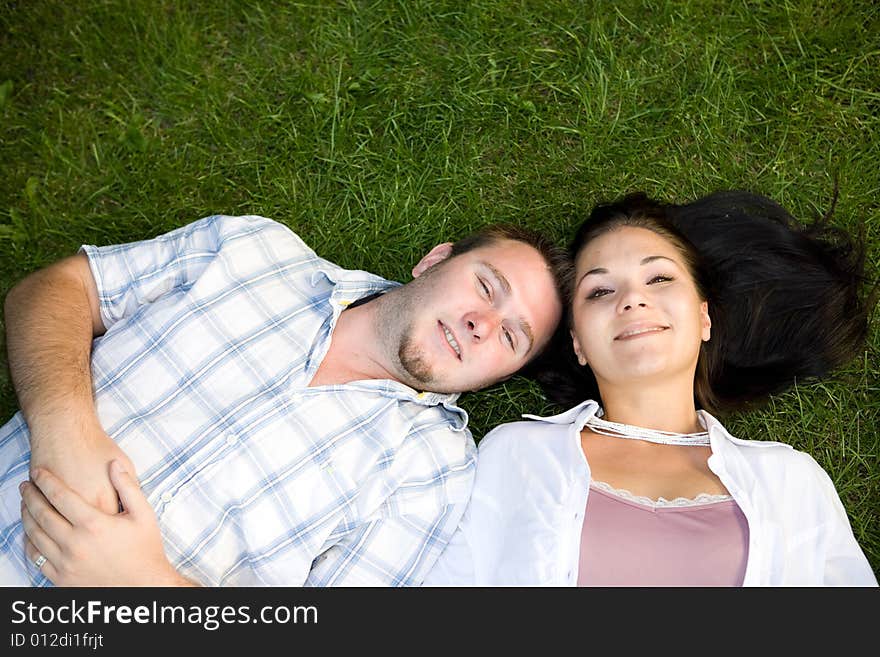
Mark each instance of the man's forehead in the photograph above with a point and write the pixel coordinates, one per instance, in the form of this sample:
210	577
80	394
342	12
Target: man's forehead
512	269
500	251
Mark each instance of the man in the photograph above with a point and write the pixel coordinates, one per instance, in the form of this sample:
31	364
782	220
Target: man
290	422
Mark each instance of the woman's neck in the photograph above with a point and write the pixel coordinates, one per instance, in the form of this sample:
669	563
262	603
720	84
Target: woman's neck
667	406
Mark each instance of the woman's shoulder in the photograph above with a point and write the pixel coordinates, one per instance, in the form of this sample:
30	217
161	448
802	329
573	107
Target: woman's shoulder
771	453
528	441
536	437
520	435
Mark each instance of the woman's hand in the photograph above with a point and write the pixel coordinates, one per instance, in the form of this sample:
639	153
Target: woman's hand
86	546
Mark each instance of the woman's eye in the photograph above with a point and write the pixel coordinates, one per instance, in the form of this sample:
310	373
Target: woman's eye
599	292
660	279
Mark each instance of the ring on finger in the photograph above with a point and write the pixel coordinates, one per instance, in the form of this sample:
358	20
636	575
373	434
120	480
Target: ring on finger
39	561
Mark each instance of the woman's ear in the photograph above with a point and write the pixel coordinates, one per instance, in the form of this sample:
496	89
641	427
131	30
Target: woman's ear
582	360
705	322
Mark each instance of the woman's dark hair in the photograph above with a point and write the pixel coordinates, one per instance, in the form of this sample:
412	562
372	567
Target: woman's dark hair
784	298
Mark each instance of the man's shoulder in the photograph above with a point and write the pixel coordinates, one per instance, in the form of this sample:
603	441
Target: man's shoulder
258	239
437	426
436	459
255	227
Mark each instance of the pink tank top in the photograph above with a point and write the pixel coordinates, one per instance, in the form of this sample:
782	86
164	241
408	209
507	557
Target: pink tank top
632	541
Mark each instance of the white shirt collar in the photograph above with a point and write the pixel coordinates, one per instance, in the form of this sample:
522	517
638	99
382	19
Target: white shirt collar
578	415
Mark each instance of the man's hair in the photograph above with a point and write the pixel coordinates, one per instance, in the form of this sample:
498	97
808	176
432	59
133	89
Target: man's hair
555	257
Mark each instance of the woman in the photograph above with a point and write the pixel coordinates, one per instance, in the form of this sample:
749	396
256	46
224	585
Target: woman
640	485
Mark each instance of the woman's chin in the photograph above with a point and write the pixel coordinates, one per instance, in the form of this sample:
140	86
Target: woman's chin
642	370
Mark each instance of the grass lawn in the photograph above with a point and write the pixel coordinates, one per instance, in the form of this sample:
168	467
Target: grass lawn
378	129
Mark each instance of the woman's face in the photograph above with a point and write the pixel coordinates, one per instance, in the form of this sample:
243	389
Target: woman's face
637	314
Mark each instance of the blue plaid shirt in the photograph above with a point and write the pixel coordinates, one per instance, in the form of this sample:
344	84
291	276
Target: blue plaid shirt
213	334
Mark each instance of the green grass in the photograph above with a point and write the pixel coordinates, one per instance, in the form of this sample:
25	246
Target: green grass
377	129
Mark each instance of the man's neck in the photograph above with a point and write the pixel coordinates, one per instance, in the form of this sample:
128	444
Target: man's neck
355	349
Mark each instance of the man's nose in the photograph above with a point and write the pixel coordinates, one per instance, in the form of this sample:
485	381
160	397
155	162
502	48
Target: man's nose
481	324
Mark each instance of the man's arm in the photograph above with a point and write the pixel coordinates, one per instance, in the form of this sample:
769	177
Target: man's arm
52	317
83	546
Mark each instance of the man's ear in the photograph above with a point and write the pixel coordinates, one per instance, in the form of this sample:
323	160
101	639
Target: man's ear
438	254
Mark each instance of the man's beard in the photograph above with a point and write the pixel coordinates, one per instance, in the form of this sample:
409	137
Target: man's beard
400	305
413	361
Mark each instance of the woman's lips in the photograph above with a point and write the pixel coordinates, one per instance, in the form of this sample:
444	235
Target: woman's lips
640	331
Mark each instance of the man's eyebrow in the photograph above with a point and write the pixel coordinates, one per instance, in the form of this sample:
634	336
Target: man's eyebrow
505	285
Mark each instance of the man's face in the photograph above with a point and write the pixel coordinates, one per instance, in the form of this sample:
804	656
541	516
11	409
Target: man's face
469	321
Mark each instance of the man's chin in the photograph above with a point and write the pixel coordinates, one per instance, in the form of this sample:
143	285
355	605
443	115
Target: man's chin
417	370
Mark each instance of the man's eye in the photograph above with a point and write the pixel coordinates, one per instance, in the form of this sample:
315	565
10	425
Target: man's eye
509	337
599	292
485	287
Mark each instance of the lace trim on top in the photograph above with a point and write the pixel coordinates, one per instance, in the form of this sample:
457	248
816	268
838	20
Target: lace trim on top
702	498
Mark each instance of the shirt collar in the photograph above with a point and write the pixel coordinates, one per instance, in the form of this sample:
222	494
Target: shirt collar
397	390
349	285
579	415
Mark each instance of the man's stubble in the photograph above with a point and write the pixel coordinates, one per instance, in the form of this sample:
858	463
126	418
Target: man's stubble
396	321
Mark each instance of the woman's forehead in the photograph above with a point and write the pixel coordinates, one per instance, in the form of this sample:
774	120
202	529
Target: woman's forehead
624	243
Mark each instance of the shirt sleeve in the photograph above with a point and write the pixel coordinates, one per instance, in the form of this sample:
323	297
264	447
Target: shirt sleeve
129	276
478	541
455	567
845	563
397	551
397	543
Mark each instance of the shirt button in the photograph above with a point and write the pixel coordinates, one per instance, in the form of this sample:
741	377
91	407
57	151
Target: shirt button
167	496
231	439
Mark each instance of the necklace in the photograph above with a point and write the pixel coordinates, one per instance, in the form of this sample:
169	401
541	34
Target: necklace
618	430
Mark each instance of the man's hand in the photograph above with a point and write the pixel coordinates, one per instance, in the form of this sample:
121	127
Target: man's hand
85	546
82	462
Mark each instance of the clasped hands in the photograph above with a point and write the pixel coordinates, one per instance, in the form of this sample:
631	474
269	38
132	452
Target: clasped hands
84	545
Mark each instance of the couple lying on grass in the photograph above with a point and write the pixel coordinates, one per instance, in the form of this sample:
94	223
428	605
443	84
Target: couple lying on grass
221	406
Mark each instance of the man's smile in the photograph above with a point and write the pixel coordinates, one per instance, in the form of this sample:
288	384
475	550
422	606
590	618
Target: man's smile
450	340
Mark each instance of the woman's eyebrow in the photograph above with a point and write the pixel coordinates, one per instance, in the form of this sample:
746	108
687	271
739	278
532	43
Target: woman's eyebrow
597	270
644	261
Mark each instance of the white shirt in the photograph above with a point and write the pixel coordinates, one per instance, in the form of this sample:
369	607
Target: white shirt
523	523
